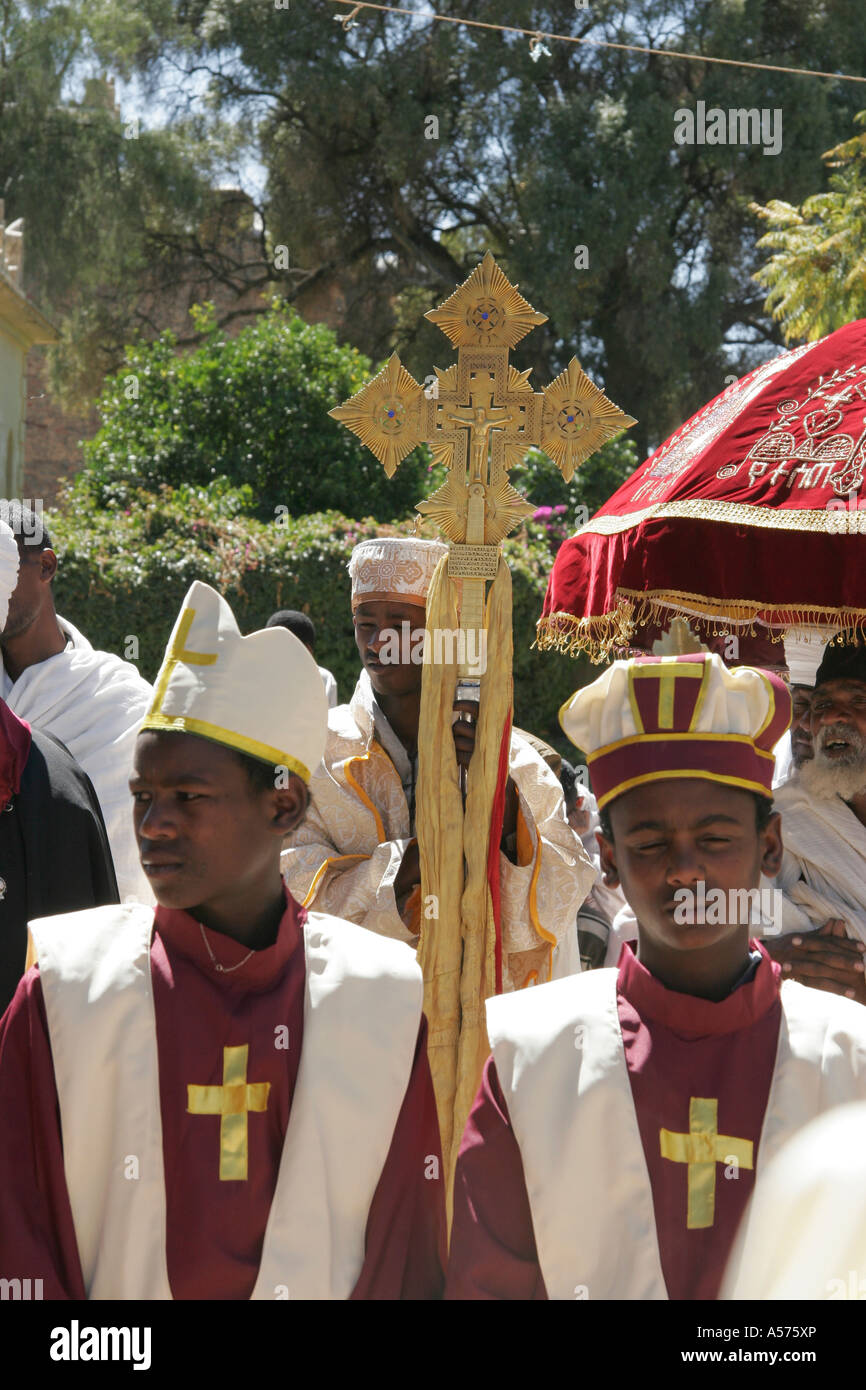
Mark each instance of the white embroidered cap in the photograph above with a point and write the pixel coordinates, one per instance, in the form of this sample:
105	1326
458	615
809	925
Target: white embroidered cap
9	563
261	695
396	565
804	648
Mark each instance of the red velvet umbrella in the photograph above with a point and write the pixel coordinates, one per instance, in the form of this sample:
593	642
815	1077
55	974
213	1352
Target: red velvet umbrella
747	520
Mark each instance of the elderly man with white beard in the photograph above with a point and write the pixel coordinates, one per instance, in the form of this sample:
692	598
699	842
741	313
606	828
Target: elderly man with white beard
823	874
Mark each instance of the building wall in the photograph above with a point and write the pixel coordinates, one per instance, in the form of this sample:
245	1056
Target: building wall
52	452
12	354
52	444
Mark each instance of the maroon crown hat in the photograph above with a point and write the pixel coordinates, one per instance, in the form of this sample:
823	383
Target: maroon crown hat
654	718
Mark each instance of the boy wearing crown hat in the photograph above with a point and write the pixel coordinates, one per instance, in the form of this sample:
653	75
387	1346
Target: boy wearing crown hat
624	1113
226	1097
356	852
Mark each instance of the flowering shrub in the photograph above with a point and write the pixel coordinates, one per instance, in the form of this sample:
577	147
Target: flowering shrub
553	522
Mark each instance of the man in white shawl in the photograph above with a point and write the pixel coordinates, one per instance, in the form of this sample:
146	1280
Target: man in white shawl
823	806
92	701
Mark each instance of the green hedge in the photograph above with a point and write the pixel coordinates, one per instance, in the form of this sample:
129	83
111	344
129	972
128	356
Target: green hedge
123	574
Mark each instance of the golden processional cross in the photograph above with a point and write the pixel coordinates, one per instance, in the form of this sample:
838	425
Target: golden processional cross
480	418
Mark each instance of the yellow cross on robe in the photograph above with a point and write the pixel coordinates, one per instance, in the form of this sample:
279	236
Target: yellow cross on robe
231	1101
702	1148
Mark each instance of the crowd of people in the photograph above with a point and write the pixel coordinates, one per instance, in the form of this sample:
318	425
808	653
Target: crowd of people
214	1079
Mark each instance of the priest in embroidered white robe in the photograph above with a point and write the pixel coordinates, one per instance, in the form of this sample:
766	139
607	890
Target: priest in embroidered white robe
229	1097
624	1114
347	855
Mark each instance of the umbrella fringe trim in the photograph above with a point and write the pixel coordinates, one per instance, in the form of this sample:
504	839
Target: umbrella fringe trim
745	614
597	636
594	637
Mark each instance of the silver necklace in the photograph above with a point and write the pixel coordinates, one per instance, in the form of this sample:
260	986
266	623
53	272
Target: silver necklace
223	969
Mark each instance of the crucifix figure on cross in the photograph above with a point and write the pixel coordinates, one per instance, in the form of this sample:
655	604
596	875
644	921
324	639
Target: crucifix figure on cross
481	419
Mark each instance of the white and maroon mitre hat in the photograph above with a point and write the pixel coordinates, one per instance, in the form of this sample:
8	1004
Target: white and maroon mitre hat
678	716
395	566
261	695
9	562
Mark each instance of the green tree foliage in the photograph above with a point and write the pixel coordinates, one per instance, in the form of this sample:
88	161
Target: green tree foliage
816	271
123	574
395	152
252	410
398	150
111	206
541	482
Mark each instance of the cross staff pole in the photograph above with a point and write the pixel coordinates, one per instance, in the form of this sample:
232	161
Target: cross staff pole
479	418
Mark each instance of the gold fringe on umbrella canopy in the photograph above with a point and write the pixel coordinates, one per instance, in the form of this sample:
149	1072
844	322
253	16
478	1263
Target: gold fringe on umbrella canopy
598	636
594	637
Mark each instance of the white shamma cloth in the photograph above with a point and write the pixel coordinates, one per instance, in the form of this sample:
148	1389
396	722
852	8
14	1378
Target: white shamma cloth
823	872
94	703
805	1237
9	565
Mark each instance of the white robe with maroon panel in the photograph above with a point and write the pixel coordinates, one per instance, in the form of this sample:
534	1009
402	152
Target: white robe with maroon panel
361	1016
562	1085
